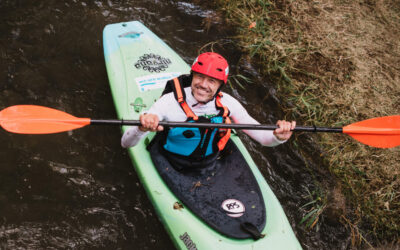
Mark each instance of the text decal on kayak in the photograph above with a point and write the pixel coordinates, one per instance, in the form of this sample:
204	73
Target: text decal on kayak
233	208
153	63
188	241
131	34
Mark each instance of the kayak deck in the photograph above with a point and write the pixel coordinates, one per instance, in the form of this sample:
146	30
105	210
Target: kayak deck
224	195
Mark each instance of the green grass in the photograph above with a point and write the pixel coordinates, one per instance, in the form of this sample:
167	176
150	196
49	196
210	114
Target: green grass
314	208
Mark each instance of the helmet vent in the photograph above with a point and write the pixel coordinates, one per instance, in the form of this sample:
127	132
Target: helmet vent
200	63
220	70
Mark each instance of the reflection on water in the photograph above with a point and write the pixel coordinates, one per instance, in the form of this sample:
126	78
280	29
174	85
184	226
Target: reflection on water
78	189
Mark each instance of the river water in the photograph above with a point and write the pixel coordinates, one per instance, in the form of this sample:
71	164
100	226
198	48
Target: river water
78	190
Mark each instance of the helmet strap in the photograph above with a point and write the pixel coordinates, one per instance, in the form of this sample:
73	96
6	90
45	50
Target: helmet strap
219	89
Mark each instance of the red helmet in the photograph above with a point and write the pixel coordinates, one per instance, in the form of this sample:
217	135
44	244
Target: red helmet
213	65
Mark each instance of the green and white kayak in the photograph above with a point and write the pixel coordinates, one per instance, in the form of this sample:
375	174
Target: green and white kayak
139	64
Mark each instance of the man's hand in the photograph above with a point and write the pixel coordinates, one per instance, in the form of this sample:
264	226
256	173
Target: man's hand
150	123
284	130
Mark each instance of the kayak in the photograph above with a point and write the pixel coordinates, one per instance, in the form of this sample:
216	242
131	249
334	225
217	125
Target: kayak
228	205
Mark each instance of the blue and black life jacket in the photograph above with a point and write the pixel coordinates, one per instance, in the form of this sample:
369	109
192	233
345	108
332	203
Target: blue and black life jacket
195	143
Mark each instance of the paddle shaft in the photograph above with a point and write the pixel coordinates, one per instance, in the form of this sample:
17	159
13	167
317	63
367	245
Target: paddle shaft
214	125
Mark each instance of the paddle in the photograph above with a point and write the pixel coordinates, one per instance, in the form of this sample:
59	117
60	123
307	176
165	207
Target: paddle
381	132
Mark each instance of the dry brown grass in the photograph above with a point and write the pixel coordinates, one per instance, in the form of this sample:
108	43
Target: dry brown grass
361	40
336	62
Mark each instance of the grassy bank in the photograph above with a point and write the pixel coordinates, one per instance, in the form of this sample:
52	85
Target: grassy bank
335	62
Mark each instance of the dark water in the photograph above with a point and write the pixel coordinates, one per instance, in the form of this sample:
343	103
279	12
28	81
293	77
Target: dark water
78	189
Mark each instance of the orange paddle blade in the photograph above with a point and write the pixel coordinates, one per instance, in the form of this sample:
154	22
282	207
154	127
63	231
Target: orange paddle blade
381	132
32	119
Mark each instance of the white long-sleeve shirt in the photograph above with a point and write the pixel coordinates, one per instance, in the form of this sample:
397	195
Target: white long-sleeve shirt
168	109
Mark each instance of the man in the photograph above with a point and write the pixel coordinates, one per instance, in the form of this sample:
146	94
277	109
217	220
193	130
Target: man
198	97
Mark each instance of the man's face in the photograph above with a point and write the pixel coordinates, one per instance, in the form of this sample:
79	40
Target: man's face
204	87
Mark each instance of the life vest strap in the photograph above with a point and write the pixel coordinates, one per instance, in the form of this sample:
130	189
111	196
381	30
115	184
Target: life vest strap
218	103
178	91
225	134
181	100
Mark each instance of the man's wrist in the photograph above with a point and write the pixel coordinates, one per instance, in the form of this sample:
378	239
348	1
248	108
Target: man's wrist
279	139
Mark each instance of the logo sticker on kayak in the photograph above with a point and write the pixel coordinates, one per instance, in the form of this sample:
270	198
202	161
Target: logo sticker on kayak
131	34
233	208
153	63
155	81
